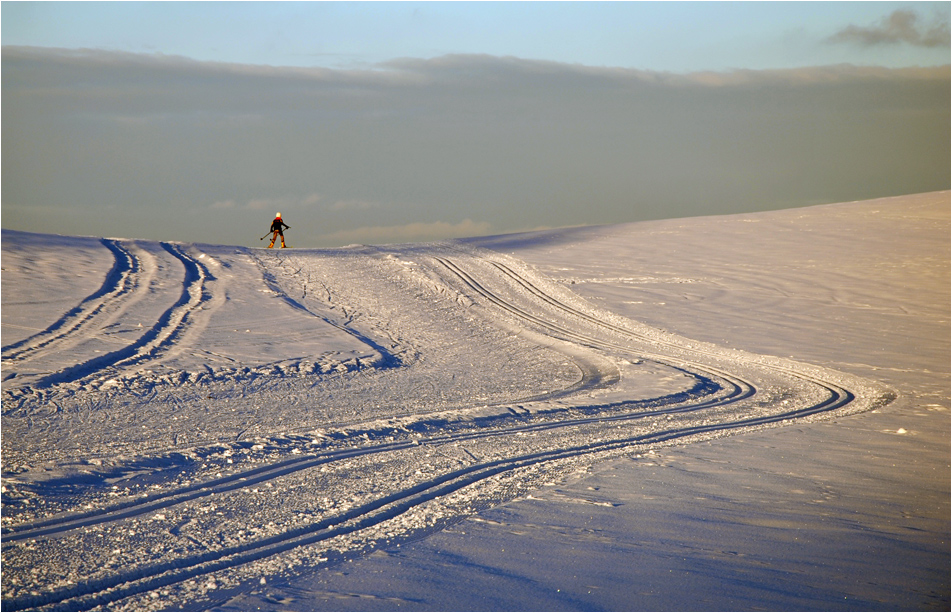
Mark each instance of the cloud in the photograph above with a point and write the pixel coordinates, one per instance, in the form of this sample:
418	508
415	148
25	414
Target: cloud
384	154
289	203
412	232
353	205
901	26
262	204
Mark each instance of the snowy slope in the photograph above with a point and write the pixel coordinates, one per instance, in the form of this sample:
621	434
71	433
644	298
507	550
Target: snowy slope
197	418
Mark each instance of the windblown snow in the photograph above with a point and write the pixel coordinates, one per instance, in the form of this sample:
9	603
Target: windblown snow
199	418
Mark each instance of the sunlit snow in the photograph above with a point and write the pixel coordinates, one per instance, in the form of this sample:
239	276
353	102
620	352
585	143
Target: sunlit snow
198	418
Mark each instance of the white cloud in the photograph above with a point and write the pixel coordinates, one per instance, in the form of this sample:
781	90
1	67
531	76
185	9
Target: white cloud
289	203
419	231
350	205
311	200
265	203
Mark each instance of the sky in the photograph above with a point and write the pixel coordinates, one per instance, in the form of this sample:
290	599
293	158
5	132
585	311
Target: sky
394	122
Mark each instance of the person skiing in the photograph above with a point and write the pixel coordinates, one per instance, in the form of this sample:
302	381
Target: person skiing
277	227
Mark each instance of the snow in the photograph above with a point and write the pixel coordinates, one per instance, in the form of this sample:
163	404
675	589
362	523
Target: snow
211	426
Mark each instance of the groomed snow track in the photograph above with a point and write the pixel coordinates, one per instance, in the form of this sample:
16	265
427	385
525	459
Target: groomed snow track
404	477
121	281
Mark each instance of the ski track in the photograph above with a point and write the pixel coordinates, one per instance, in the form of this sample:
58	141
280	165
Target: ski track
386	358
114	296
726	397
158	340
121	280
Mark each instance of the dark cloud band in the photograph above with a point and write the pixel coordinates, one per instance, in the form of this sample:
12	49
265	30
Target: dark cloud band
165	147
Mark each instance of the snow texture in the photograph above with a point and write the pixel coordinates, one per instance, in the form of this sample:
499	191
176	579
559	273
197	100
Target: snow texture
185	422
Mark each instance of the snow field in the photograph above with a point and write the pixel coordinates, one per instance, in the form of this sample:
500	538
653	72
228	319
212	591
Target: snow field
288	409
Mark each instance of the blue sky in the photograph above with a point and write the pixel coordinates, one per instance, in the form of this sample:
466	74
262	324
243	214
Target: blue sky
399	122
663	36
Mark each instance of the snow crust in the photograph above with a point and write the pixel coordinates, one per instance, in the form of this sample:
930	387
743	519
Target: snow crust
185	422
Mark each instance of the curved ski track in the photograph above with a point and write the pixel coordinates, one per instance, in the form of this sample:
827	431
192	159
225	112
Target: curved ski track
531	288
112	298
717	388
121	280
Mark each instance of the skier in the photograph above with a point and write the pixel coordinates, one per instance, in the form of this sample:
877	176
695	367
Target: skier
277	227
